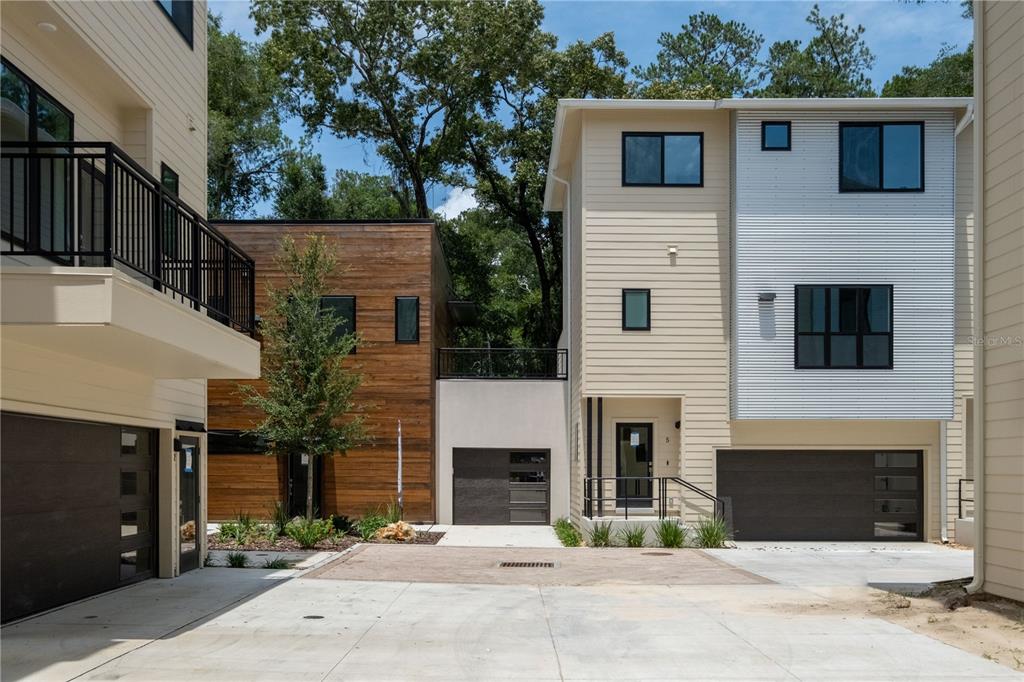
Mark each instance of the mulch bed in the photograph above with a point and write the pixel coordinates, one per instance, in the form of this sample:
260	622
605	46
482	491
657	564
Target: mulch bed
335	543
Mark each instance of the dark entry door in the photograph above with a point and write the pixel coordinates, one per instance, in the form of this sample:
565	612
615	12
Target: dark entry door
298	470
188	515
824	495
633	459
499	486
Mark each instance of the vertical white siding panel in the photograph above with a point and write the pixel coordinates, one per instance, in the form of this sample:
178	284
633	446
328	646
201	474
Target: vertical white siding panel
794	227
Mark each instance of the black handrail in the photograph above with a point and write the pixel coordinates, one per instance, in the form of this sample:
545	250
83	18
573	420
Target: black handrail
960	496
90	204
662	482
502	363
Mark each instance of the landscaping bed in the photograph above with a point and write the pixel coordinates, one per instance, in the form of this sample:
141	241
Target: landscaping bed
333	543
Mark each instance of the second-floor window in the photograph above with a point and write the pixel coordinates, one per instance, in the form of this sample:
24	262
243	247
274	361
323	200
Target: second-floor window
407	319
344	308
844	327
881	157
636	309
180	13
663	159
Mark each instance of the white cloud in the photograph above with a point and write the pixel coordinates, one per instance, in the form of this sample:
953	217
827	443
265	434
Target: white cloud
459	200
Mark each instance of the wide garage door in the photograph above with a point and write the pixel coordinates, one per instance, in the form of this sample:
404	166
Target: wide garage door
77	508
827	495
497	486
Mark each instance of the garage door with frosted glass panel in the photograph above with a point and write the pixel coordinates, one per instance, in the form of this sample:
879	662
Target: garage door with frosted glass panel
500	486
823	495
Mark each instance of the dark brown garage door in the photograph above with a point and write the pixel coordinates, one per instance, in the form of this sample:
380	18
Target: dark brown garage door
77	508
501	486
828	495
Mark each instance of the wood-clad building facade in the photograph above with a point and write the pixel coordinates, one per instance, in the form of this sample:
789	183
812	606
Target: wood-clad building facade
385	270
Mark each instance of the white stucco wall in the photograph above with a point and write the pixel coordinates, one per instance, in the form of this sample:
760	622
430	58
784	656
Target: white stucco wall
475	413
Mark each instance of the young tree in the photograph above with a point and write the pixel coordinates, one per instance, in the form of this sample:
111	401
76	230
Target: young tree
402	74
706	53
834	63
245	144
307	402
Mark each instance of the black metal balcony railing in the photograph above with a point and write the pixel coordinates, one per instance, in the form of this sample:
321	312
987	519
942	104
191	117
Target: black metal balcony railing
502	363
89	204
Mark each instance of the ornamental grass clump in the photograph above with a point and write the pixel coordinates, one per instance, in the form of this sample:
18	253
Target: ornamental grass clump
711	532
309	532
601	535
670	534
567	533
633	536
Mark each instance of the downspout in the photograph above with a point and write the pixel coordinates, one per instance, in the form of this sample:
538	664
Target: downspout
567	317
943	483
978	581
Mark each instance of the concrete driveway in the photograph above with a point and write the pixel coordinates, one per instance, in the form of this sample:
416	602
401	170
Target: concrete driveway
249	624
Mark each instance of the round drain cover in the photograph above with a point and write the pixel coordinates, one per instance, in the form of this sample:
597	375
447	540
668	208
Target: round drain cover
656	553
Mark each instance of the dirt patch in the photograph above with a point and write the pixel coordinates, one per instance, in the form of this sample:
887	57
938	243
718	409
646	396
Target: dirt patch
335	543
534	566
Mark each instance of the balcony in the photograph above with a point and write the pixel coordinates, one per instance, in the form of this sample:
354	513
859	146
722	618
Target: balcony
502	363
90	240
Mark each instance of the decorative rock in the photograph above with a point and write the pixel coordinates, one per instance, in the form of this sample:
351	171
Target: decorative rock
400	531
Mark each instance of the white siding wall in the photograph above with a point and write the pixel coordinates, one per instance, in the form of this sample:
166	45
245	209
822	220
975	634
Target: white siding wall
794	227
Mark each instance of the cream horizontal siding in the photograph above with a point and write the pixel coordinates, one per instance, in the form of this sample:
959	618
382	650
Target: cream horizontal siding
1001	134
627	232
794	227
127	75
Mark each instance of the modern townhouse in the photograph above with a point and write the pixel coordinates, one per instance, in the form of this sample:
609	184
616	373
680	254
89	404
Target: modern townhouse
767	311
999	149
392	288
119	300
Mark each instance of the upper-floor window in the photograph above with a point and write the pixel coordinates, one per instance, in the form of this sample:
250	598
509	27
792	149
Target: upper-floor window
663	159
344	308
840	327
776	136
407	319
180	12
29	113
636	309
169	179
881	157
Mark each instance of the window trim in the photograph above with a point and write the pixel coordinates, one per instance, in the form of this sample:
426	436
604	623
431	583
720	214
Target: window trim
827	333
189	38
627	328
662	135
417	337
881	157
789	136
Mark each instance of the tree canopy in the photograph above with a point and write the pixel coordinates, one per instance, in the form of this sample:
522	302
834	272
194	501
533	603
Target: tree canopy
950	75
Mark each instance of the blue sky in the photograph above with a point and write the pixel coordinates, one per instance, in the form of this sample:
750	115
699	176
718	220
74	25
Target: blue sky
899	33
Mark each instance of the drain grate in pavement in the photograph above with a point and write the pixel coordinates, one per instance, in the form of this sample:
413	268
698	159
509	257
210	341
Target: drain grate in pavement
526	564
656	553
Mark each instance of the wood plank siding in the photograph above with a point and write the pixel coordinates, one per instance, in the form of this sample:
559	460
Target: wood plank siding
999	88
378	261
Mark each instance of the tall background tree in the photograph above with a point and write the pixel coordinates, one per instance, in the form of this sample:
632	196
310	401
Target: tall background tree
245	142
307	404
950	75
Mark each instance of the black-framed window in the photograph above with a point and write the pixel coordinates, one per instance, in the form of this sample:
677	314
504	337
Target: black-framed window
169	179
881	157
776	136
180	12
345	308
636	309
663	159
407	319
844	327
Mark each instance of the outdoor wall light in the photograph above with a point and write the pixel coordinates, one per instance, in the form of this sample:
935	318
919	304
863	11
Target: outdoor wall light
766	297
672	250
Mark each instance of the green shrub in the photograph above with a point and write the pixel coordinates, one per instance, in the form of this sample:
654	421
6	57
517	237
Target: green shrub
342	524
670	533
711	532
237	559
279	517
277	563
307	533
633	536
242	530
368	526
567	533
601	535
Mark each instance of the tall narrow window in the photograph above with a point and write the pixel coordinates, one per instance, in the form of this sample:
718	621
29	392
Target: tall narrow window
169	181
636	309
844	327
881	157
344	308
669	159
407	319
180	13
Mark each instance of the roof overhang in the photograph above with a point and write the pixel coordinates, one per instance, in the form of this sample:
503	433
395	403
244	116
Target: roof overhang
567	119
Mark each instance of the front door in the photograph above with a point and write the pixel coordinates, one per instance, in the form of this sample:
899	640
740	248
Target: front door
633	465
298	471
188	510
